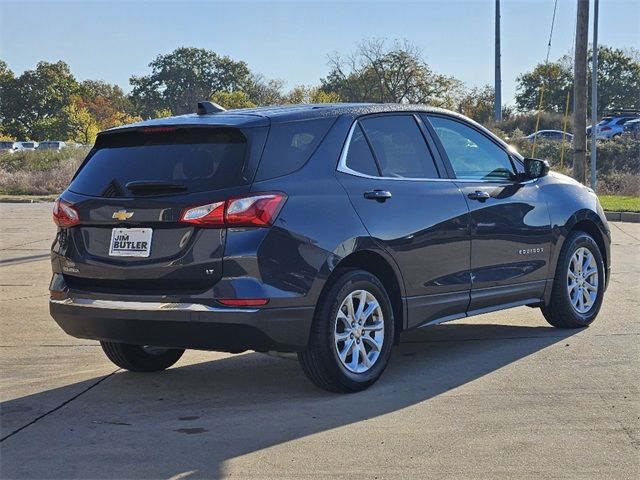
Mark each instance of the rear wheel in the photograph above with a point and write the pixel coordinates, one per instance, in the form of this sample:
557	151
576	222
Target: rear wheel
141	358
352	334
578	286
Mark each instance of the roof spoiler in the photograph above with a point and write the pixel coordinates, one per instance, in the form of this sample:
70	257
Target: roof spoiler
207	108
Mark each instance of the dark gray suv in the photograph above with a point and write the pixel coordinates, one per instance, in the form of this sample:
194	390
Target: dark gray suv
324	230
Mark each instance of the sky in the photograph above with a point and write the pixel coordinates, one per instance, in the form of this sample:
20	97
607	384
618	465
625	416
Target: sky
112	40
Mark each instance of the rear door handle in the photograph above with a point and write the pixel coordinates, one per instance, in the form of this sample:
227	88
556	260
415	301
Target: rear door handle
379	195
479	195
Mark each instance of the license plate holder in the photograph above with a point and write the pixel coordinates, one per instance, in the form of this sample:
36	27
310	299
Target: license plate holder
130	242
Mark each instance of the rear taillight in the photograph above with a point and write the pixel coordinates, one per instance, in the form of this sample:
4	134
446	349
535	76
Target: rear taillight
604	129
64	215
255	210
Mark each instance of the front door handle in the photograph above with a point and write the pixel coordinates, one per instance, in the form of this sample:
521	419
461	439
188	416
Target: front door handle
379	195
479	195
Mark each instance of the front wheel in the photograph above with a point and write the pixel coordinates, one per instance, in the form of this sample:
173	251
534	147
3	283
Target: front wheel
351	335
578	286
141	358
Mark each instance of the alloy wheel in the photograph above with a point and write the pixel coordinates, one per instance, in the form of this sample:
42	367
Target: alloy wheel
359	331
582	280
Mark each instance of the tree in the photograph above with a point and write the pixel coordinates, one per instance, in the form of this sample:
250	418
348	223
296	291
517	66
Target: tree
231	100
477	103
305	94
557	78
6	80
33	103
618	82
80	124
375	72
264	92
618	79
180	79
106	103
115	96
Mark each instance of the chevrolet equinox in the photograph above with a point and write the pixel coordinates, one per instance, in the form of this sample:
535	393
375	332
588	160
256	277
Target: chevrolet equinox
324	230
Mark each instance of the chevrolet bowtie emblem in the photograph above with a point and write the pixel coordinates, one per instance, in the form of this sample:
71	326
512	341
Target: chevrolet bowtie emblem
122	215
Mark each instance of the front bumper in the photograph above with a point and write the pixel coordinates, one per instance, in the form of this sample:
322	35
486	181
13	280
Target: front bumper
185	325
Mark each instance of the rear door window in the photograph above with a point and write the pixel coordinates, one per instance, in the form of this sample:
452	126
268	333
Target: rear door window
399	147
188	160
290	145
359	156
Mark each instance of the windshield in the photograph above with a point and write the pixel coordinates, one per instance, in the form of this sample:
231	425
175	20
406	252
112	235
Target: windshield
193	159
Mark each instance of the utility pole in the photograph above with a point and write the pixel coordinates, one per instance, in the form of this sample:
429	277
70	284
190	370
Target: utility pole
594	95
498	79
580	92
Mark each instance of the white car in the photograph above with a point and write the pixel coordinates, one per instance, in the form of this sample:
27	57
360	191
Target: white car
29	145
51	145
611	126
10	147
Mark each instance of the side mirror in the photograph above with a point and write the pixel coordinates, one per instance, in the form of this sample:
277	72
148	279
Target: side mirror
535	168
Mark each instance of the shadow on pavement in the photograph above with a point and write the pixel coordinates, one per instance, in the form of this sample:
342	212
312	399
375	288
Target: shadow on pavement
189	420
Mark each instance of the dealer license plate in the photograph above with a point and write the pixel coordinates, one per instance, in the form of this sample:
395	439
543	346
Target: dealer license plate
130	242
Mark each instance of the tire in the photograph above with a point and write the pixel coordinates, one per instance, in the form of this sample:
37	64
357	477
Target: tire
562	311
369	343
137	358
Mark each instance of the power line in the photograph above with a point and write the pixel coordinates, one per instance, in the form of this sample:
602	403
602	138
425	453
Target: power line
553	21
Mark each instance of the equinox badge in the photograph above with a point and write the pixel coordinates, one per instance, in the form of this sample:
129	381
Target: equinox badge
122	215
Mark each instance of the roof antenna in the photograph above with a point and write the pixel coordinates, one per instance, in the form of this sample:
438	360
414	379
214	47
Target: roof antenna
207	108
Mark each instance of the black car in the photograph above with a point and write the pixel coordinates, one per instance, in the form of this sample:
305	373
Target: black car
325	230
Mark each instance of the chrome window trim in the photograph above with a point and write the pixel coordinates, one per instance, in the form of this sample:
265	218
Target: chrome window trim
148	306
343	168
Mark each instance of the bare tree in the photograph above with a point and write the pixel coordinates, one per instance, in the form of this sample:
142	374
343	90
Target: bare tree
396	73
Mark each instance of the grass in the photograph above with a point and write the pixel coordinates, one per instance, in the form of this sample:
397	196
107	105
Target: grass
619	203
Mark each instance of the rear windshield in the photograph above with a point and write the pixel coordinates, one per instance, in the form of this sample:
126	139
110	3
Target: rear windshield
184	160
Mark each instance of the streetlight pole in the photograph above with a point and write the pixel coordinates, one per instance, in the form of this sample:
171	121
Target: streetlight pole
594	95
498	80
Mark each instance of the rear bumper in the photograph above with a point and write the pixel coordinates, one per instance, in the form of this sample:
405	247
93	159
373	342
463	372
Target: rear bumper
184	325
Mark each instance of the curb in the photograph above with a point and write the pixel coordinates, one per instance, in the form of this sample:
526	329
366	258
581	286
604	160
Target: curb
631	217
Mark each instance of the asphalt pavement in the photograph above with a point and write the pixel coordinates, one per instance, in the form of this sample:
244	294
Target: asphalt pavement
502	395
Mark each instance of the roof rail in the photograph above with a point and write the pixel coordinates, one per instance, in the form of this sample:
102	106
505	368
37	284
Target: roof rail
207	108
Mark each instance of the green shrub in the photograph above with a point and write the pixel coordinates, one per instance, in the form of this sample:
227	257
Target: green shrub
527	123
41	161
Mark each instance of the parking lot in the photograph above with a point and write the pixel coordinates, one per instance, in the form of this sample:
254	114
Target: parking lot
501	395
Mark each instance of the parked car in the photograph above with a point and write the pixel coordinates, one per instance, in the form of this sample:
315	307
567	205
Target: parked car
29	145
632	127
325	230
10	147
51	145
553	135
611	126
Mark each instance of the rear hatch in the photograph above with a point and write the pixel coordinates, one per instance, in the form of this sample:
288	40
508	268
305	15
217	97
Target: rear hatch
130	194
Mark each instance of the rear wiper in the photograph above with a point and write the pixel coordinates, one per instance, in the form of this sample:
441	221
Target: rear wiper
143	186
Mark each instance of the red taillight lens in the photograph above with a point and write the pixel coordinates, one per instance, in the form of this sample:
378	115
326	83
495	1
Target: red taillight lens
604	129
64	215
243	302
255	210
